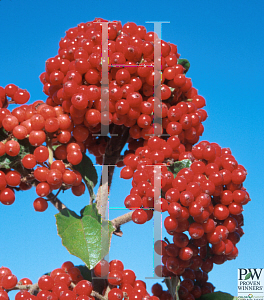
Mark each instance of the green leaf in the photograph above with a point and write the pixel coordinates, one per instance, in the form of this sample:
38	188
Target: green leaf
248	276
89	174
173	284
5	161
218	296
87	236
178	165
185	63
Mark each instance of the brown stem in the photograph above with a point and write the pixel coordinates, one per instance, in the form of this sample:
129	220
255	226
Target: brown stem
102	199
56	202
32	288
116	143
117	222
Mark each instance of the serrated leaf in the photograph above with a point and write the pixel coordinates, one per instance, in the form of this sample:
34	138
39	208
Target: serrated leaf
173	284
85	236
218	296
89	174
185	63
178	165
248	276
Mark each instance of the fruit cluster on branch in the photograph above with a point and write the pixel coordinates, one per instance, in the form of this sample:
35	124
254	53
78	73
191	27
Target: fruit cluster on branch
197	185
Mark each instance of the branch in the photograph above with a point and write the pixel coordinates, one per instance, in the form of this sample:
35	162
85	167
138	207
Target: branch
116	143
30	287
56	202
34	288
117	222
102	199
108	289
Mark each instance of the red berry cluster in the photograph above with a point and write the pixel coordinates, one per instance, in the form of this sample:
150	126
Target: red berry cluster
46	177
73	80
74	108
122	281
13	94
193	285
65	283
204	202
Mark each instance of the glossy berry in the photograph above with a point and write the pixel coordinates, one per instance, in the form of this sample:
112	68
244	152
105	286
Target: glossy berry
40	204
46	282
9	281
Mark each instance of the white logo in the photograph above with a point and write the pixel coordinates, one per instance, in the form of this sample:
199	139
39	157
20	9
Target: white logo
250	284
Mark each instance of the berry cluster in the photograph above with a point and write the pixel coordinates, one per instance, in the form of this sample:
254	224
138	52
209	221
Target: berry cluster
65	283
73	80
39	124
204	202
13	94
123	282
42	142
35	170
193	285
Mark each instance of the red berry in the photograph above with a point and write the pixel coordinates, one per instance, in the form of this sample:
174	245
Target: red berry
46	282
9	281
40	204
102	268
74	157
115	277
139	216
116	264
115	294
7	196
29	161
12	148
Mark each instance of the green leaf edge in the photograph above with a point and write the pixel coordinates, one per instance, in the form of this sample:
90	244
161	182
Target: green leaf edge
185	63
180	164
97	215
89	167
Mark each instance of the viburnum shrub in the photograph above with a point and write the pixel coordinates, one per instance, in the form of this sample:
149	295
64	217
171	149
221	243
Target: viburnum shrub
109	95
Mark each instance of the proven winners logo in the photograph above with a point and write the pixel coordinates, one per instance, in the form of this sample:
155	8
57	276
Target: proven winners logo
250	284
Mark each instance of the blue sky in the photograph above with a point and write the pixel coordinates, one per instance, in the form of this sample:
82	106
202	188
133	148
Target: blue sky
223	40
